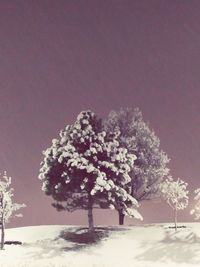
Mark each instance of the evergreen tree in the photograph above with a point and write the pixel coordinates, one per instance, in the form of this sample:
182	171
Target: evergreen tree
150	167
86	168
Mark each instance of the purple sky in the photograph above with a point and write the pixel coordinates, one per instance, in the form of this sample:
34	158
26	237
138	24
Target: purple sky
60	57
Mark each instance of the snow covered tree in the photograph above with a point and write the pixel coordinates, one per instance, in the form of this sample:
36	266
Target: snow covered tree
7	207
175	194
86	168
150	167
196	210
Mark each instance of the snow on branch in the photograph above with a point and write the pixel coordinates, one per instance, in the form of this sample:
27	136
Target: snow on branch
196	210
7	207
175	193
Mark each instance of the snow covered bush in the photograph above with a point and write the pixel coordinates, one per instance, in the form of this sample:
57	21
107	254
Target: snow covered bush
86	168
150	167
7	207
196	210
175	193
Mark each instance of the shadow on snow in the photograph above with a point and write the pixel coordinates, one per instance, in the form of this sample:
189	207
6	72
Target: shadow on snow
179	247
68	240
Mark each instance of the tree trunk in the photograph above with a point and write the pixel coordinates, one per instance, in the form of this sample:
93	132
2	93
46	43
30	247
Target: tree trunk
175	219
90	215
2	235
121	217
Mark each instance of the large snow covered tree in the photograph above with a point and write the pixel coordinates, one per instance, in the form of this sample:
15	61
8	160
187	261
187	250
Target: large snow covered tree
86	168
150	167
175	193
196	210
7	206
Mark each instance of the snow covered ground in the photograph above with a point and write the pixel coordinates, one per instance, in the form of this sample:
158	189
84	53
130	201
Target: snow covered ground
138	246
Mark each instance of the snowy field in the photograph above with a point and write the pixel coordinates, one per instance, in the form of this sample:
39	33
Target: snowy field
133	246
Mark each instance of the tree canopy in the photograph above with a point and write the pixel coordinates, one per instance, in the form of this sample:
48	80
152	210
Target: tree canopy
85	168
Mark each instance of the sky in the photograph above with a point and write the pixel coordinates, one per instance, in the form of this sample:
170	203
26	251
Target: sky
58	58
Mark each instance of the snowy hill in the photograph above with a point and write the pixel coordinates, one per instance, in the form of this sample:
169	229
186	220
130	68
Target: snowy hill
68	246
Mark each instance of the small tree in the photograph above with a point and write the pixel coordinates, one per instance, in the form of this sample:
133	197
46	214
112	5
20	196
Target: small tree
150	167
85	168
196	210
175	194
7	207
